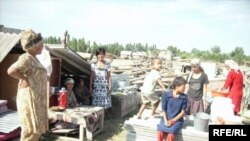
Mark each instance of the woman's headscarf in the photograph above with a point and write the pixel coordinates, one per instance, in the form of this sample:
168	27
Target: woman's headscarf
196	62
232	65
69	81
29	39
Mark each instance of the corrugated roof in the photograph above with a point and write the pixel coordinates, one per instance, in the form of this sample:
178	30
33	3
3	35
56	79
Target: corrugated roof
9	121
9	30
7	42
71	61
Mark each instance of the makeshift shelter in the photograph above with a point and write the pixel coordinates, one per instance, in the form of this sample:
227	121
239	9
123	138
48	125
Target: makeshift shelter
65	62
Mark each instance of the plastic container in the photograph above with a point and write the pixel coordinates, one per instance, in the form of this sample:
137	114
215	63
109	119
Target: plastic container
201	121
219	93
122	84
63	98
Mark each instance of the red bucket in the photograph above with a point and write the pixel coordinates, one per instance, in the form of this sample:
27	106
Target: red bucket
63	98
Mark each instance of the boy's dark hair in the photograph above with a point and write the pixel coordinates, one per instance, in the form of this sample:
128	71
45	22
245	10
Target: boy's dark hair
100	51
178	81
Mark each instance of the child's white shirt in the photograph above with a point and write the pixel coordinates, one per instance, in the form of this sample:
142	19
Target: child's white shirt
150	82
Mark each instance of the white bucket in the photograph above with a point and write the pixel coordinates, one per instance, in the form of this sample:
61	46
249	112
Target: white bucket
201	121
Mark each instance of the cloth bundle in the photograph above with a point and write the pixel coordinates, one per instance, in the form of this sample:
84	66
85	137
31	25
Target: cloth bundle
3	106
246	117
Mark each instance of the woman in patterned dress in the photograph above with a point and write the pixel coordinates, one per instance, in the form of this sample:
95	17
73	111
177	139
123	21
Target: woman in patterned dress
32	88
100	81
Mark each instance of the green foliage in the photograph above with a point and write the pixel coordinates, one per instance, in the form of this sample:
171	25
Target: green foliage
80	45
238	55
52	40
175	50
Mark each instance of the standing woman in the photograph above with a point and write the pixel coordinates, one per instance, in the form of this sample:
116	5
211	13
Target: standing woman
32	88
234	83
197	91
100	81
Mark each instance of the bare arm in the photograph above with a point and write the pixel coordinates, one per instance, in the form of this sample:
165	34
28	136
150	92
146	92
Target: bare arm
91	82
205	92
164	115
179	116
15	73
186	89
161	84
110	82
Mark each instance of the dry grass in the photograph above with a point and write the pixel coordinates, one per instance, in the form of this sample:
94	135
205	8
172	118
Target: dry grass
113	130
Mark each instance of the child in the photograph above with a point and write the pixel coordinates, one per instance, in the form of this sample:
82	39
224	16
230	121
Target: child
82	92
148	89
174	103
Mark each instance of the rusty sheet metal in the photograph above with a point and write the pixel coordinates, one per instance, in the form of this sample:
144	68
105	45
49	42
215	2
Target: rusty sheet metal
71	61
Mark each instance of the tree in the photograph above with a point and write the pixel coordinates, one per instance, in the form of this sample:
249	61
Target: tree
81	46
215	50
175	50
73	44
215	54
238	55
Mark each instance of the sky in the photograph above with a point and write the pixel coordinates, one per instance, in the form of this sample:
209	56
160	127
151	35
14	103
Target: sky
185	24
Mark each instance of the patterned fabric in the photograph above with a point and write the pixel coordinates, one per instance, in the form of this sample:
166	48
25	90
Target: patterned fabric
101	97
90	117
195	106
32	100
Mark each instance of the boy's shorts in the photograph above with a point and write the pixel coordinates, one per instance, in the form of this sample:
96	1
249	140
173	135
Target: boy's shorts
147	98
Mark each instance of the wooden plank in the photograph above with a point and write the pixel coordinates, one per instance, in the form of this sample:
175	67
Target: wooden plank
64	131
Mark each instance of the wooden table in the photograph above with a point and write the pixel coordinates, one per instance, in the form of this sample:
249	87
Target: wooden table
89	118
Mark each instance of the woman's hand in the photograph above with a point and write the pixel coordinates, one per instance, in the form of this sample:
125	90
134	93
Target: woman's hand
110	91
170	122
24	83
205	104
